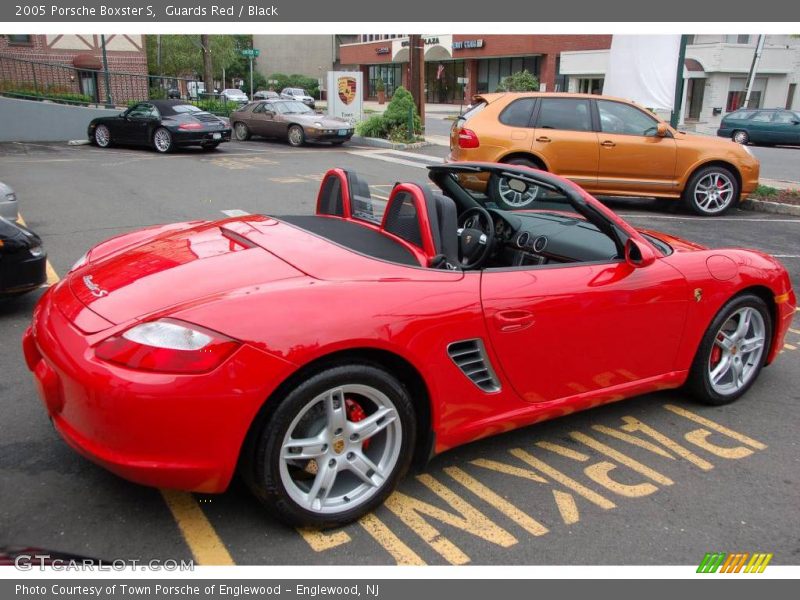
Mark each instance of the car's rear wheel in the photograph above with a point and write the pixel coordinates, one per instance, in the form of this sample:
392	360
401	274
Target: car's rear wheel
296	136
242	131
732	351
504	194
334	448
162	140
102	136
711	191
740	137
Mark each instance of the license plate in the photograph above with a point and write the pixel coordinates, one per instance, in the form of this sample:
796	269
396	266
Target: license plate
343	132
217	136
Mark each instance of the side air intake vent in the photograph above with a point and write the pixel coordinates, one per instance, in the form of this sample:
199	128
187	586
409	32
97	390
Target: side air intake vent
470	357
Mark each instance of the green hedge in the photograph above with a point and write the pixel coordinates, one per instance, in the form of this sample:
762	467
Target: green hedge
52	94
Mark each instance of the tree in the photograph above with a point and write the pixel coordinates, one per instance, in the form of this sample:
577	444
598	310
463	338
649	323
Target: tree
208	78
521	81
183	55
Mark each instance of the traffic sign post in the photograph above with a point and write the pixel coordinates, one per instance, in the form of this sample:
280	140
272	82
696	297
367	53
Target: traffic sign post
251	53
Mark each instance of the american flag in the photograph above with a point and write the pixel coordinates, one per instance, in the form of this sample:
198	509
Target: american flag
440	71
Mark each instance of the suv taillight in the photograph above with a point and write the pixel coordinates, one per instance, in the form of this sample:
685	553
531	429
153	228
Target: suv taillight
467	139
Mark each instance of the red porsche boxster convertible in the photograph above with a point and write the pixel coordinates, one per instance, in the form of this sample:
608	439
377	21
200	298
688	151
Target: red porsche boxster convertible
321	354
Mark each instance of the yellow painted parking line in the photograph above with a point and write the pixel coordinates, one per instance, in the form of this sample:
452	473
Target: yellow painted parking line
402	554
203	541
52	276
321	541
789	347
797	331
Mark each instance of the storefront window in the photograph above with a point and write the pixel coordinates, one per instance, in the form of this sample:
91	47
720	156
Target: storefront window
491	71
391	75
590	85
441	82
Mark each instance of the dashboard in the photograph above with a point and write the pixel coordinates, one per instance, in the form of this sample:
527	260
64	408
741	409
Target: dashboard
531	238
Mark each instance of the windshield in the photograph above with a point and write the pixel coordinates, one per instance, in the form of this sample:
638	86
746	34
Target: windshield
185	108
507	191
292	107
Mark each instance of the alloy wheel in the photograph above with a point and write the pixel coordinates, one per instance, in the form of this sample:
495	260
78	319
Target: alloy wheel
741	137
162	139
102	136
513	198
714	192
295	136
340	449
737	351
241	132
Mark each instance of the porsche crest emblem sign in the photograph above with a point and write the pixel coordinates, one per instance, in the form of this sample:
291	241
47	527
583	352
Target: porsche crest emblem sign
345	94
347	89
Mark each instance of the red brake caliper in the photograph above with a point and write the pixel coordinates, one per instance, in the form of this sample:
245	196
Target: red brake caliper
716	354
355	413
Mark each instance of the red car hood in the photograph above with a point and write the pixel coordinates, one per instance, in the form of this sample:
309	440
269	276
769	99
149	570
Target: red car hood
173	269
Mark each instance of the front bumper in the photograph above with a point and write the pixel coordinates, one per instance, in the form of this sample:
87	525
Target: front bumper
194	138
164	430
22	272
327	135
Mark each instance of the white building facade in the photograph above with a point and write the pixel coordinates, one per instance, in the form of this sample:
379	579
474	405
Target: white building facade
715	75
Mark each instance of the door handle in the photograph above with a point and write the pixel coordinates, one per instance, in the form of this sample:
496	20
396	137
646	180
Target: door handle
542	138
513	320
608	144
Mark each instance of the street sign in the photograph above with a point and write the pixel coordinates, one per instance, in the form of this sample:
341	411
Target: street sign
251	52
462	80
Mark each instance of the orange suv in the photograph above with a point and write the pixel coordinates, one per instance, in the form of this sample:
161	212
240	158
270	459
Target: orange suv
608	146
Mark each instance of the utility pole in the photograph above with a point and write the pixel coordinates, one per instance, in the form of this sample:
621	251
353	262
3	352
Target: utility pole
751	77
675	117
109	100
208	77
416	75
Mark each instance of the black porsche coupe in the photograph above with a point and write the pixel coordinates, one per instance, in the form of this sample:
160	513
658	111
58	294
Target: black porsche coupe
162	125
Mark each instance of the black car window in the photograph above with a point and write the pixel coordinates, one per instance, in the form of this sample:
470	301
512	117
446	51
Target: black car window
763	117
258	108
784	116
741	115
616	117
143	111
564	113
518	113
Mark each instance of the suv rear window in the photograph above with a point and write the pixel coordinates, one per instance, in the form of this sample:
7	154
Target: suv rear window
518	113
472	110
564	113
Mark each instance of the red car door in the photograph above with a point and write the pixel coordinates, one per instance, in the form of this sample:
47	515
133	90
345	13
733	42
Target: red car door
569	329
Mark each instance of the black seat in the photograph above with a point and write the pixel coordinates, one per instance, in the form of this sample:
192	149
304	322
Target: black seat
443	217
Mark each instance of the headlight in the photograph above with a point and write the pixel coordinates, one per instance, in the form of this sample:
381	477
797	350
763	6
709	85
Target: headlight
36	251
318	124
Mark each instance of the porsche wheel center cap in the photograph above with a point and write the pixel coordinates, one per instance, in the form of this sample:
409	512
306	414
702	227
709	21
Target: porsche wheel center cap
338	445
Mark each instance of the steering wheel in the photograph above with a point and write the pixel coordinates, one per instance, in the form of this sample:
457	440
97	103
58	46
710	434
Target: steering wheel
475	237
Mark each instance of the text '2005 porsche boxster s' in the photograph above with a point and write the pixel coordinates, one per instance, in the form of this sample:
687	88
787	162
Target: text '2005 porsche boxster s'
320	354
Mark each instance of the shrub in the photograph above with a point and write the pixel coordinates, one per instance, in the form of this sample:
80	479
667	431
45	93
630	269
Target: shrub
521	81
393	123
374	127
54	95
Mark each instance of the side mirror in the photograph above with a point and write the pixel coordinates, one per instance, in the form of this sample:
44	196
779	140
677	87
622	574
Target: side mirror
662	130
637	254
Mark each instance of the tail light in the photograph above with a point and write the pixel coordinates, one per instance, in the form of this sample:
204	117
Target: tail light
190	126
467	139
167	346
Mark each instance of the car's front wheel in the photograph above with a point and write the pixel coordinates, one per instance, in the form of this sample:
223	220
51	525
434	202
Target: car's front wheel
102	136
296	136
732	351
711	191
334	447
740	137
162	140
242	131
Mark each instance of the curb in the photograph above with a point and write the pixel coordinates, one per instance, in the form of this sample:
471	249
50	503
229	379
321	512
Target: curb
775	208
379	143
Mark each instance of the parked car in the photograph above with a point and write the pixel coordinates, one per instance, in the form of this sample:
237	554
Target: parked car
298	94
195	89
23	261
319	354
761	126
607	145
266	95
290	120
233	95
162	125
173	93
8	202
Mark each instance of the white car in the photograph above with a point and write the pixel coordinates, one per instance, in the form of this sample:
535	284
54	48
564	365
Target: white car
298	94
8	202
233	95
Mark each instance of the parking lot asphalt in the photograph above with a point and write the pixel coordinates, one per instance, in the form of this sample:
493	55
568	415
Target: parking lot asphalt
690	479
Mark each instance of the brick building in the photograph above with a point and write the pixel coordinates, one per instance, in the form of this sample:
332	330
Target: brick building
73	63
483	59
